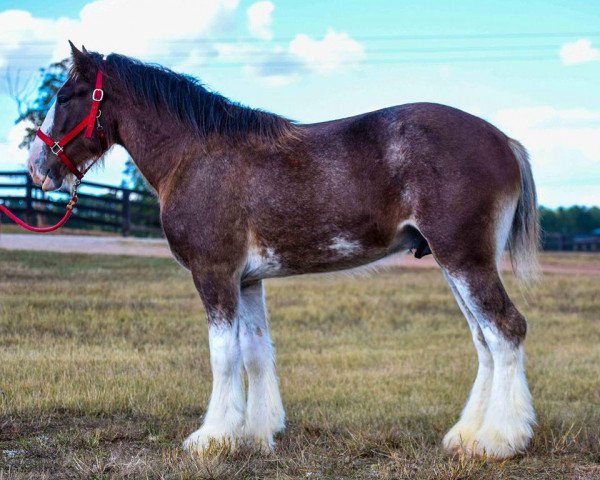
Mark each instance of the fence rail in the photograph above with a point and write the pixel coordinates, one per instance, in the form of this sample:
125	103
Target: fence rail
100	206
132	211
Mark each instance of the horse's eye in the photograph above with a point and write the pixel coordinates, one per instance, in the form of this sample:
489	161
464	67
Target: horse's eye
63	99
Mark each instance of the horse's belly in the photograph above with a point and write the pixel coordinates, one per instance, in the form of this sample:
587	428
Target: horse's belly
337	253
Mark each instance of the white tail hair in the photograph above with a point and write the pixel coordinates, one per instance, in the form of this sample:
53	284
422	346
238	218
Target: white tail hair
524	239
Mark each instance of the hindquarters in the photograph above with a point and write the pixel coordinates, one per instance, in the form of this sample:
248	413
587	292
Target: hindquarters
469	187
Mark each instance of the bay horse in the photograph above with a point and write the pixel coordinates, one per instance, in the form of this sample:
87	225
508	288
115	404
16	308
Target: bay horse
247	195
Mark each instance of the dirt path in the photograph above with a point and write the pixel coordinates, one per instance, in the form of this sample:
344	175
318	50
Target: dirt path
551	263
573	263
86	244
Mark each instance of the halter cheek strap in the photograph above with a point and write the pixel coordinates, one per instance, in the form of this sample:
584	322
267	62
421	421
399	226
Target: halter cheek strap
87	124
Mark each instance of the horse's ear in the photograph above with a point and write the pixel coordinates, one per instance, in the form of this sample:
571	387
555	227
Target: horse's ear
82	63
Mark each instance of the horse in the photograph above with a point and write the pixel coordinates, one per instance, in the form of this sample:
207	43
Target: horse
246	195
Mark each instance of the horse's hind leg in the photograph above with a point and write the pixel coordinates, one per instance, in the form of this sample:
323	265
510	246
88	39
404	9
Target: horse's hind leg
264	410
506	428
473	413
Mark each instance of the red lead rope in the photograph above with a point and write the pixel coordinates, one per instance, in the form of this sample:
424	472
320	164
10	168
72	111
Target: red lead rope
31	228
56	148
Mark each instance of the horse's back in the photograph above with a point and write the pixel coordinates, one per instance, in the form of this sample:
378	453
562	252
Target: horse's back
424	149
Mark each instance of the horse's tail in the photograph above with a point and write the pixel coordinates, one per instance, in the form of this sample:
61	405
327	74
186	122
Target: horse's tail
524	238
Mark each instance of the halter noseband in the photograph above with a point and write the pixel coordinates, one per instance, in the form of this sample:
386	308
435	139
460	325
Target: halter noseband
87	124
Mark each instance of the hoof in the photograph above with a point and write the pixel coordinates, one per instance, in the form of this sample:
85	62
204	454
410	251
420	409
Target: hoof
488	443
496	445
262	443
209	443
458	437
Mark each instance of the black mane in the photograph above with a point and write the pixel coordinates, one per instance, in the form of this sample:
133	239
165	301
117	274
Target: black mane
187	100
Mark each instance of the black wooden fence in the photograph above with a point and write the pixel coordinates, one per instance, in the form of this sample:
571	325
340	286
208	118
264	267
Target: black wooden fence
100	207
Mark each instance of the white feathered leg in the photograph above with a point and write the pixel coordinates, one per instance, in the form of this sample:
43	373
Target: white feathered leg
507	426
224	419
264	410
472	416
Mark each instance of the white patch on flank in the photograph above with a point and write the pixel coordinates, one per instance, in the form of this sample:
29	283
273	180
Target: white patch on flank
406	223
264	410
224	419
476	407
507	424
344	247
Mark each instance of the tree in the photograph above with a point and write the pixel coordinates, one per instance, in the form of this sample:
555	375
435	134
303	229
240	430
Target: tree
34	111
573	220
133	178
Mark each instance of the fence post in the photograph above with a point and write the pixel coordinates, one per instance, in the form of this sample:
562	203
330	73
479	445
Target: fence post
126	213
30	216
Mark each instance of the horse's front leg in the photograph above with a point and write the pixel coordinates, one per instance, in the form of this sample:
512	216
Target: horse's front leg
224	418
264	412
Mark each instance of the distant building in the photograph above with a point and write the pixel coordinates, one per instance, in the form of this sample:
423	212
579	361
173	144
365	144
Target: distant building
587	242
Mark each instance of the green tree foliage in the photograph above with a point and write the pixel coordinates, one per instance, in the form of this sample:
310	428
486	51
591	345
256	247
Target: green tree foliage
133	178
573	220
52	78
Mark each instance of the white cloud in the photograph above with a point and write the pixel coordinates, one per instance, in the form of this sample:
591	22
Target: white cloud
13	157
177	33
580	51
163	30
545	117
564	145
260	19
281	65
335	51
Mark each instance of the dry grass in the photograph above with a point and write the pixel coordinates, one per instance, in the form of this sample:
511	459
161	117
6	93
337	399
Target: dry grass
104	370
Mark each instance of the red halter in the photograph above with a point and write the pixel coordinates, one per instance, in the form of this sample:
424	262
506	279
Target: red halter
87	123
57	149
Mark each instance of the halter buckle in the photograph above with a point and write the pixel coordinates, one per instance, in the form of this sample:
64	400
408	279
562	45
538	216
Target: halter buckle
95	93
56	148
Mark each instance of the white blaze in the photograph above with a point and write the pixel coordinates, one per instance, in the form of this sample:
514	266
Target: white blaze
36	150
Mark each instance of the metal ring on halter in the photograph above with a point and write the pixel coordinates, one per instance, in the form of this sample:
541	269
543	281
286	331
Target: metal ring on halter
99	91
56	148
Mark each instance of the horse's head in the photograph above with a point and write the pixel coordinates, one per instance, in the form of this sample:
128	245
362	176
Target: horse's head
71	106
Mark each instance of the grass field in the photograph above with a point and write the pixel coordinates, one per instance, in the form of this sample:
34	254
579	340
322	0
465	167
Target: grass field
104	370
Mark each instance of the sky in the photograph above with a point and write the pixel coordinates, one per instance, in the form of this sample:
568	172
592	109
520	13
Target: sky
531	68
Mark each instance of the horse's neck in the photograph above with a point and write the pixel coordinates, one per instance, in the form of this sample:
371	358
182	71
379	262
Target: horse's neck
156	144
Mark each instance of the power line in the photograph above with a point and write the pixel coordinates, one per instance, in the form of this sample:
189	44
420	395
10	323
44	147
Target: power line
274	66
377	55
491	48
366	38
